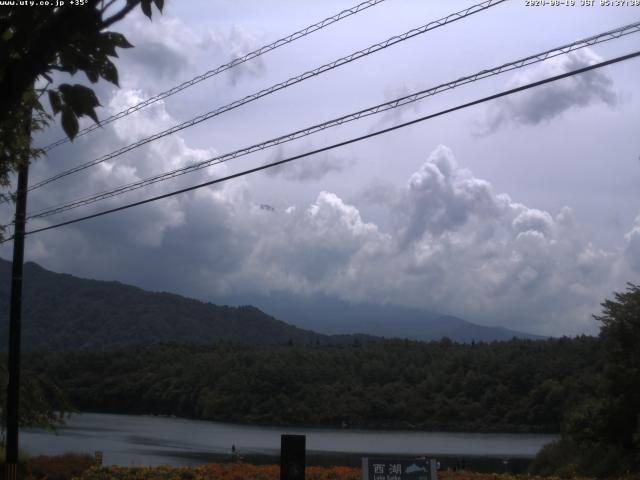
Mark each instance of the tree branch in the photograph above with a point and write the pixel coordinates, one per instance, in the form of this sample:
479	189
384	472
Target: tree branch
104	8
120	15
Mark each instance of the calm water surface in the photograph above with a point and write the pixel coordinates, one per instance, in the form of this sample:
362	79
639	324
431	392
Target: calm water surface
146	440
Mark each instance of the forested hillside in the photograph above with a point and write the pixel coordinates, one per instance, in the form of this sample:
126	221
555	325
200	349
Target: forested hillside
507	386
64	312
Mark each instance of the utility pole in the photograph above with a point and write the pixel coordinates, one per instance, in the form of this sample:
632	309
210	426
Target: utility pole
15	314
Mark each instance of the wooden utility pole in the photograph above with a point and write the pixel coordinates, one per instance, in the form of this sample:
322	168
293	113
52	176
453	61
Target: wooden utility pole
15	315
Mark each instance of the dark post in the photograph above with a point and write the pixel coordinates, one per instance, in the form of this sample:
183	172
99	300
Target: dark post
15	318
292	457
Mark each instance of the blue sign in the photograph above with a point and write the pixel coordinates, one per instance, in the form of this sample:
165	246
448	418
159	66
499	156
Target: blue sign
379	468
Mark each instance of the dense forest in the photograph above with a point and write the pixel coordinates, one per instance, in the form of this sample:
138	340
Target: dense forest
241	365
521	385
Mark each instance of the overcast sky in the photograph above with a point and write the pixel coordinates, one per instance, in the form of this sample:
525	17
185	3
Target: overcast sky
522	212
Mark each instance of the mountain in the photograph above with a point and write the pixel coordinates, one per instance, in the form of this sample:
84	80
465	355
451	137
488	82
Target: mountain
333	316
62	312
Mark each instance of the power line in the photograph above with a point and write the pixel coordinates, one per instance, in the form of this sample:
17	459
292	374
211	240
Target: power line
234	63
279	86
539	57
341	144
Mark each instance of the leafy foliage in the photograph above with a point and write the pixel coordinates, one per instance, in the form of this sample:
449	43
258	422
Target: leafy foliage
35	43
620	334
507	386
61	467
15	142
242	471
602	432
42	403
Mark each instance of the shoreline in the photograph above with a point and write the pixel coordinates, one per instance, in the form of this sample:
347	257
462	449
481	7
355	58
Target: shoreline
153	440
436	429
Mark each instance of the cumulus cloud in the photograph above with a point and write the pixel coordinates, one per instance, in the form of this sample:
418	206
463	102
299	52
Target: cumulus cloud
307	249
457	246
441	197
166	154
543	104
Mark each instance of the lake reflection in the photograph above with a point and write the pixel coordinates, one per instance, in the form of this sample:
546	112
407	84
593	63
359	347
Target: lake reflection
146	440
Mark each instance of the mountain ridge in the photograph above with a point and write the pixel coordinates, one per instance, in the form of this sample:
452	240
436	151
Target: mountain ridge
62	311
332	316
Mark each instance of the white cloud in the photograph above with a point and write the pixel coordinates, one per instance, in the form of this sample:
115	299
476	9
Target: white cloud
471	252
456	245
440	197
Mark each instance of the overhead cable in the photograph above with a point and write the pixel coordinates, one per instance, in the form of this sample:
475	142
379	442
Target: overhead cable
340	144
398	102
222	68
279	86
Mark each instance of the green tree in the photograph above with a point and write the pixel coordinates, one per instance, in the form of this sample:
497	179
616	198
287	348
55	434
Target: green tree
620	335
43	403
35	42
602	433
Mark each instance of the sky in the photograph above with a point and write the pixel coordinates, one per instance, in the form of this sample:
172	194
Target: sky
521	212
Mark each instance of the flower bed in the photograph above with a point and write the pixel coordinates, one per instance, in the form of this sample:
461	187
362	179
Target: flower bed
228	471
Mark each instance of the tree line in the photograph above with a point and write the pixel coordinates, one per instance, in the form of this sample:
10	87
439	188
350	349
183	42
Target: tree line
585	388
520	385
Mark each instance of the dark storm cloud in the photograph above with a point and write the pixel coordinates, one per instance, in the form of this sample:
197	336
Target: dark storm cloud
543	104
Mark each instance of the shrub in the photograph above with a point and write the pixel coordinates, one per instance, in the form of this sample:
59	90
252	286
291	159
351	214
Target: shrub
556	458
61	467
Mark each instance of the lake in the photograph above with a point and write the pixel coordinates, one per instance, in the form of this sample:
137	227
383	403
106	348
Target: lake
147	440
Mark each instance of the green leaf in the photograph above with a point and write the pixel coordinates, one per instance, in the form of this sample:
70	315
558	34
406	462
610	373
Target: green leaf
117	39
146	7
37	106
80	99
159	4
91	113
68	60
55	101
69	123
92	74
107	47
110	73
7	35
